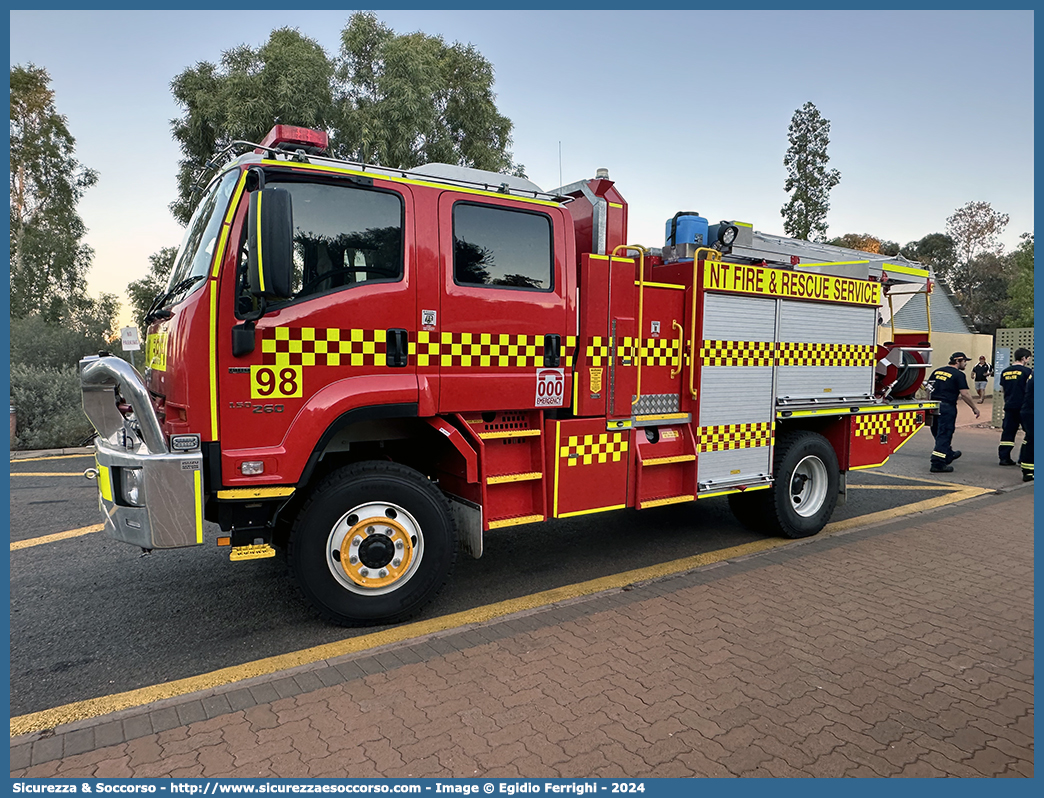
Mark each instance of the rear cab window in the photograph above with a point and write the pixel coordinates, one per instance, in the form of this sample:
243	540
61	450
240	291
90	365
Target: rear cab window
502	247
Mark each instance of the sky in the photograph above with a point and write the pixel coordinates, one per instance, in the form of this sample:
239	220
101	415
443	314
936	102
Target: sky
688	110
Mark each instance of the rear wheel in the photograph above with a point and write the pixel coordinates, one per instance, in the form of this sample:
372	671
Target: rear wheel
751	509
804	494
374	543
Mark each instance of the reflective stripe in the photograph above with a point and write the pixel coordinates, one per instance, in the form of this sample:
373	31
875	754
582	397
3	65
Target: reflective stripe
104	482
895	267
523	519
662	285
213	361
254	493
218	257
260	245
746	489
596	510
406	181
664	502
198	486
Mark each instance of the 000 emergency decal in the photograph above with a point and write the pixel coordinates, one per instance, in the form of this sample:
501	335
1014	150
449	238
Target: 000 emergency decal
763	281
275	382
550	387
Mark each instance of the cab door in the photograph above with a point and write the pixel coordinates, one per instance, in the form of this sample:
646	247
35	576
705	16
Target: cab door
341	342
508	314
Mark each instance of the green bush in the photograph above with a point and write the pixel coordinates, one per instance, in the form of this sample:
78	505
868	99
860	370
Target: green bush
45	388
48	406
36	342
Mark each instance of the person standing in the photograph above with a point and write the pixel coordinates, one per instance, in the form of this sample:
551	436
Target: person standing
981	371
1026	453
946	385
1013	383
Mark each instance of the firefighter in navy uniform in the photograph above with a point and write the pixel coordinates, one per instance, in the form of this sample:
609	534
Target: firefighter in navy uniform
1026	454
1013	383
947	384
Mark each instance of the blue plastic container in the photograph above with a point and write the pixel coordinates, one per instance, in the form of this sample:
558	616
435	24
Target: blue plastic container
686	228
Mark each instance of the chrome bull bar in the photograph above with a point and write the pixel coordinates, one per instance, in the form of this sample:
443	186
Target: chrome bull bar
150	496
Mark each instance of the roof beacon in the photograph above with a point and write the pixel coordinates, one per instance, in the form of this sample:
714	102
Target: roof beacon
288	137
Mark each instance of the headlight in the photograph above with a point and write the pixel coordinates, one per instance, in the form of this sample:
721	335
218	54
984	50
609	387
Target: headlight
132	486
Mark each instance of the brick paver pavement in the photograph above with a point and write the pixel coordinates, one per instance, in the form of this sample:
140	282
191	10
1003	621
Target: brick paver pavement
902	650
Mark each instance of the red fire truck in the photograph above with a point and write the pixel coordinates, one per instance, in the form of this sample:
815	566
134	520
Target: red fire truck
375	367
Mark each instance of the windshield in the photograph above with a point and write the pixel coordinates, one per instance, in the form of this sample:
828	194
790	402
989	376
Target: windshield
197	247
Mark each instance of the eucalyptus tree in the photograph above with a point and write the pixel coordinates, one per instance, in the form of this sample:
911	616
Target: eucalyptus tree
397	100
49	260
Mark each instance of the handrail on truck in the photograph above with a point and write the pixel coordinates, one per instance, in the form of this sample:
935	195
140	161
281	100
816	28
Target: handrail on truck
713	255
641	306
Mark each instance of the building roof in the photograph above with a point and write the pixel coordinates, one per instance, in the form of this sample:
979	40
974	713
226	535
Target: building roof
909	310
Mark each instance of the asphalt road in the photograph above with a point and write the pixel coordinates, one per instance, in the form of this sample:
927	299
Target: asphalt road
91	616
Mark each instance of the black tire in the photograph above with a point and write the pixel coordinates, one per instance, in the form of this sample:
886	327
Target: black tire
400	545
804	493
752	509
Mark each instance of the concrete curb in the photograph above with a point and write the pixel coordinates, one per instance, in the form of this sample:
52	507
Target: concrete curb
83	451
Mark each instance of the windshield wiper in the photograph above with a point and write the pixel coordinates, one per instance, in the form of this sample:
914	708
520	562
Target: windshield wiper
158	309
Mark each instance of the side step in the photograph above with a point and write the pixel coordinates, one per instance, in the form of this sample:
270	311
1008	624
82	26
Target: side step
511	466
254	551
666	468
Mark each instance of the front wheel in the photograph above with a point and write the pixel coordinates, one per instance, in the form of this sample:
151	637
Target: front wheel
804	494
374	543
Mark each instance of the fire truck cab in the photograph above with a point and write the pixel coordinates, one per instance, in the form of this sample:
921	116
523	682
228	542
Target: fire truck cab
373	368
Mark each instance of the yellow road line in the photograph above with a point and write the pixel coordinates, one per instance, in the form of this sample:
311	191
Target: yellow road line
47	473
906	509
95	707
953	485
104	705
900	487
49	457
72	533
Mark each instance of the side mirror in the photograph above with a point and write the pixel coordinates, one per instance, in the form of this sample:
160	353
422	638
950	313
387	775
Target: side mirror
270	243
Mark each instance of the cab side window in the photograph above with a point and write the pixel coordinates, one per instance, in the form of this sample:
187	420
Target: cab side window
344	236
495	246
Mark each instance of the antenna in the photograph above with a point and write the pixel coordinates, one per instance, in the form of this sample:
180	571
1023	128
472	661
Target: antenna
560	164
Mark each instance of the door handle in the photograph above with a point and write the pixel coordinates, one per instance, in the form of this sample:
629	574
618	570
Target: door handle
397	348
552	350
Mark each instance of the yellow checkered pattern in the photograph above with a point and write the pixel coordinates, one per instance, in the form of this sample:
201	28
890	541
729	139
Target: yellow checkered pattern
661	351
594	448
904	424
311	346
738	353
734	436
907	423
487	350
785	353
625	349
597	351
873	426
805	354
653	351
425	349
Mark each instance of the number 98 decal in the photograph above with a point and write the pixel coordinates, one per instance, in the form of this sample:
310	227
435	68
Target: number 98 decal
268	382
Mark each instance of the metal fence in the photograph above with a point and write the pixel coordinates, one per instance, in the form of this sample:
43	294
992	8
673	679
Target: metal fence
1007	341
